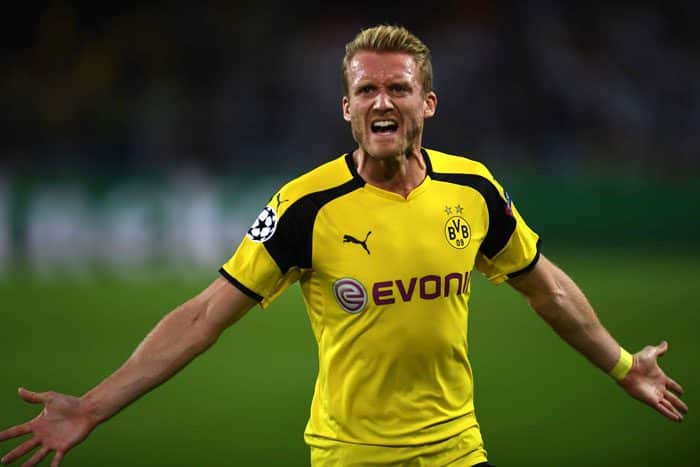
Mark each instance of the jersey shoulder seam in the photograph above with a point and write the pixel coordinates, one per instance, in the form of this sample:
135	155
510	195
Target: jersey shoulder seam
455	164
325	177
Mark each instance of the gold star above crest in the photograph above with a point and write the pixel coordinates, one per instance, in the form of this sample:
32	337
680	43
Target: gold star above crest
459	209
448	210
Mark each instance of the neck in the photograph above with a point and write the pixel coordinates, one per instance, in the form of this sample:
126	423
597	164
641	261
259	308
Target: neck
399	174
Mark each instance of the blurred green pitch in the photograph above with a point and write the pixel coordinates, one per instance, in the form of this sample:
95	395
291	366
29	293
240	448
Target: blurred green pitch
245	402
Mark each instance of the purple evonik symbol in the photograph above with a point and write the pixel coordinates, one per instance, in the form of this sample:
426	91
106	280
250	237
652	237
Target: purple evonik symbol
350	295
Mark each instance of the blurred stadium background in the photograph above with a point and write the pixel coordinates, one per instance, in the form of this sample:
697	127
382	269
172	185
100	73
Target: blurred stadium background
137	143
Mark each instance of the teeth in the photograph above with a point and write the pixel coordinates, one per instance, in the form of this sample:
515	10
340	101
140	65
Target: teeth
383	123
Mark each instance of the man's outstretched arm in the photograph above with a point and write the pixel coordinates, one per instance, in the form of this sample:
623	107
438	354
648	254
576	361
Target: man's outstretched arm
176	340
560	302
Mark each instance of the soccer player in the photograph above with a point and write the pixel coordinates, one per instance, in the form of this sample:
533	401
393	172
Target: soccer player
383	241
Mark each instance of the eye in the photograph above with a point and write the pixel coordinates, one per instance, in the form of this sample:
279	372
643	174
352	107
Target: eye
399	88
366	89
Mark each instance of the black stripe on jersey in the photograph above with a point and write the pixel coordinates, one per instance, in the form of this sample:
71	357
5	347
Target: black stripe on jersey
428	164
501	225
351	165
291	244
530	266
240	286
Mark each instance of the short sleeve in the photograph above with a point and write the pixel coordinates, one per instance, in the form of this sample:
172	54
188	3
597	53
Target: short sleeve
265	263
511	247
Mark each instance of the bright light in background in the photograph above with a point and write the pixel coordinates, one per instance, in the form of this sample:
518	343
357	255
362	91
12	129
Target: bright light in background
60	231
127	239
193	232
187	223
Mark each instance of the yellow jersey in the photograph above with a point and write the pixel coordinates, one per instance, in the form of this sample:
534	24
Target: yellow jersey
386	282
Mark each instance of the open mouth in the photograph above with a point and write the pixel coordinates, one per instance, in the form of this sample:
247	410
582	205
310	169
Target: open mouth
384	126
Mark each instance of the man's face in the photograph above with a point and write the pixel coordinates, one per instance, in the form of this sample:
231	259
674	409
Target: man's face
386	105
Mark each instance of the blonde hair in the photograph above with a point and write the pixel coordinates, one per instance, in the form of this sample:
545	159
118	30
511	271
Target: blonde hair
390	39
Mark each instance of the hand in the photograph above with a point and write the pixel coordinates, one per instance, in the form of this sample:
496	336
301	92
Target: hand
649	384
63	423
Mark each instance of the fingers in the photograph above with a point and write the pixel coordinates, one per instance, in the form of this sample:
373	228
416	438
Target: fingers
33	397
671	384
20	450
676	415
667	410
37	457
15	431
661	349
678	404
672	390
57	459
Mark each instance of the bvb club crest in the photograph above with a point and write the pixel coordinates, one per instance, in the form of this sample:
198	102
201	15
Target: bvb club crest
457	230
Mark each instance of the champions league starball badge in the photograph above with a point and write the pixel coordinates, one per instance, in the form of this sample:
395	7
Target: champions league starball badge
264	226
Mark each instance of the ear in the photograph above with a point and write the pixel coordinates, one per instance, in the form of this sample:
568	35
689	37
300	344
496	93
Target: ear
346	108
430	106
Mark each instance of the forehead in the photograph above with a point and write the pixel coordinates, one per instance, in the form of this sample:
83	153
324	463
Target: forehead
381	66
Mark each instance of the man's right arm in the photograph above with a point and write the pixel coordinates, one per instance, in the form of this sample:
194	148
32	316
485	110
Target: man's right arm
176	340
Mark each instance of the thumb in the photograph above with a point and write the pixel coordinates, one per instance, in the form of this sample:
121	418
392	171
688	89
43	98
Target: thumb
661	348
32	397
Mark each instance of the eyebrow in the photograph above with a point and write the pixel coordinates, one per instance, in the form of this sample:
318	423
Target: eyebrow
391	81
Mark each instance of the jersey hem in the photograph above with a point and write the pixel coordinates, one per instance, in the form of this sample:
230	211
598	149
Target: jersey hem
315	439
239	286
530	266
478	461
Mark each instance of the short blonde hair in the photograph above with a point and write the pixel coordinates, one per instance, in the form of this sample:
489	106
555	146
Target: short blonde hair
392	39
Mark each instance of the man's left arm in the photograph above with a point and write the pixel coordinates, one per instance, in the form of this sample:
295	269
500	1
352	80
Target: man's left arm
559	301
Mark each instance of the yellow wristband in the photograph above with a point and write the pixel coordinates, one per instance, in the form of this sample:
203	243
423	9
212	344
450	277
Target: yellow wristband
623	365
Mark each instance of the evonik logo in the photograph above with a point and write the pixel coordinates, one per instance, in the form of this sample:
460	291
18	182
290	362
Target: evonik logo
428	287
352	296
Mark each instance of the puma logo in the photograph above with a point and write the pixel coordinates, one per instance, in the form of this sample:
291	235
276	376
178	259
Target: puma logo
350	239
280	201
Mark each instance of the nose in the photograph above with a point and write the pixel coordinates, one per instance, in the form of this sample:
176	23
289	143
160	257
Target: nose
383	101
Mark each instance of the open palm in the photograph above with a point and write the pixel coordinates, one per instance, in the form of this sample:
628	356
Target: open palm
62	424
647	382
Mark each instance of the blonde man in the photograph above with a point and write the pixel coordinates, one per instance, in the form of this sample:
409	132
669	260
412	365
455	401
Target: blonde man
383	240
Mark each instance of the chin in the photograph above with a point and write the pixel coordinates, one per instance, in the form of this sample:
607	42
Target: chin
384	151
382	154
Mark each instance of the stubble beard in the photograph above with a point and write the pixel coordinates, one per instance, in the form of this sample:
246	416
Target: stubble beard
411	144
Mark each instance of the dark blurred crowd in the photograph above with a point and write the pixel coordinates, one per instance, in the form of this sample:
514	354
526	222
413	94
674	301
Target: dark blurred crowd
228	85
